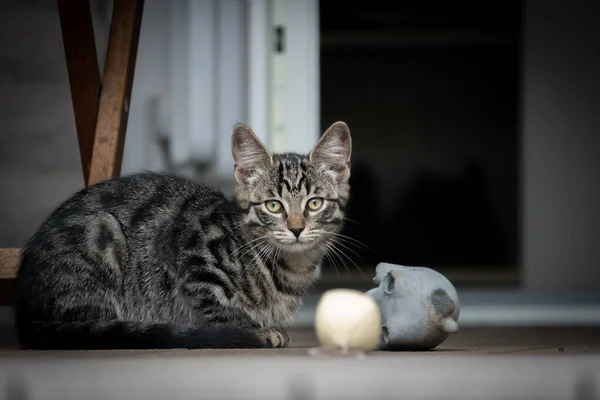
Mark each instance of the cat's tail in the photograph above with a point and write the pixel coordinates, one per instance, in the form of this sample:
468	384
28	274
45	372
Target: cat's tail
114	334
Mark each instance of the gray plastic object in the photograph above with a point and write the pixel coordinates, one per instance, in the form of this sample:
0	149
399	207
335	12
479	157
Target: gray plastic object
419	307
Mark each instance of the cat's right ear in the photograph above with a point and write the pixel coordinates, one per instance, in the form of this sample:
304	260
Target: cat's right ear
333	150
250	156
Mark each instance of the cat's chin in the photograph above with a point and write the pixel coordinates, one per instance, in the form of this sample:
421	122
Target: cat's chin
299	247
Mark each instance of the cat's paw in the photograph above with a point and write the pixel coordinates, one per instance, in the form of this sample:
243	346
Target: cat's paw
273	337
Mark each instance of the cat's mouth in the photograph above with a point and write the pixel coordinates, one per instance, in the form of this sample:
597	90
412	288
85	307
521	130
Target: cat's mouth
298	242
300	246
297	245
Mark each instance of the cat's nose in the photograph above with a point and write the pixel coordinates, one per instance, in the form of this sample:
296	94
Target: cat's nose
296	231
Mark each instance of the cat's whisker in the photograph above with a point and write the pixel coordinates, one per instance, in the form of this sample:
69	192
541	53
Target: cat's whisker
350	259
326	253
245	245
258	256
236	226
278	253
274	250
335	252
267	254
352	240
272	256
341	243
356	222
340	253
257	245
274	260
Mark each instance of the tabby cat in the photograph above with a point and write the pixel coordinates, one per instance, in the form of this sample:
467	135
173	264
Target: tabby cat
154	260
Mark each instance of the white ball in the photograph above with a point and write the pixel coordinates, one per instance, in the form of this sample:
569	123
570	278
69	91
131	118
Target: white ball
347	319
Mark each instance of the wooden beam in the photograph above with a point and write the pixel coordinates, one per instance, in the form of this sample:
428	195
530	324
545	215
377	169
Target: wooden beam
10	260
84	73
101	107
113	110
9	263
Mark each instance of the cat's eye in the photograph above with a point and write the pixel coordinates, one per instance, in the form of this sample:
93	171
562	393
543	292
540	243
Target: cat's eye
274	206
315	203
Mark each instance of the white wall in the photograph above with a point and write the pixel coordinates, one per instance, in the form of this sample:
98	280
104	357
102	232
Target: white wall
561	145
223	71
294	77
231	79
149	84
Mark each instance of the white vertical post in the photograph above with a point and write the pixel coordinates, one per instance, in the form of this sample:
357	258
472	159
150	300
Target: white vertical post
313	72
141	151
278	103
231	77
295	108
302	75
259	51
201	85
178	79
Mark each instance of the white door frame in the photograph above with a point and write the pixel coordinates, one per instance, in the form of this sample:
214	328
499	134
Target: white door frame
294	78
224	69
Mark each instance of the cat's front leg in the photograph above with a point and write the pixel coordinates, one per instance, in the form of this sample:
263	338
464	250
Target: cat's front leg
233	317
268	337
273	337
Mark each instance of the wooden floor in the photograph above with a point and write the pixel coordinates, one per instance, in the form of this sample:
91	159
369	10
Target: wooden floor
469	341
476	363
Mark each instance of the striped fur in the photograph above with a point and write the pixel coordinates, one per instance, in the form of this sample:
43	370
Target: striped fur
153	260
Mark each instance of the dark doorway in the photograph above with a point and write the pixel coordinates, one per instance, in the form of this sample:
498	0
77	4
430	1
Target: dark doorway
431	94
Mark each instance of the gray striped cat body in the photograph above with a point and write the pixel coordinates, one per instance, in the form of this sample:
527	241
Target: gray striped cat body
153	260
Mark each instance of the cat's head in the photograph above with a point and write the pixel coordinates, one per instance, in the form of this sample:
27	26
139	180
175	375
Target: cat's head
295	202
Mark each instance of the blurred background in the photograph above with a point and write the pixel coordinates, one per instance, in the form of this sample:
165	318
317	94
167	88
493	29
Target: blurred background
475	129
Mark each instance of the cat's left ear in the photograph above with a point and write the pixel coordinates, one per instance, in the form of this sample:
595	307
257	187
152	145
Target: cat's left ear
250	156
333	151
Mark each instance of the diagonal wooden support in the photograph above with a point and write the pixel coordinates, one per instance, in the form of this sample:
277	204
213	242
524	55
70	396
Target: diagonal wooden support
84	74
101	107
113	109
9	264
